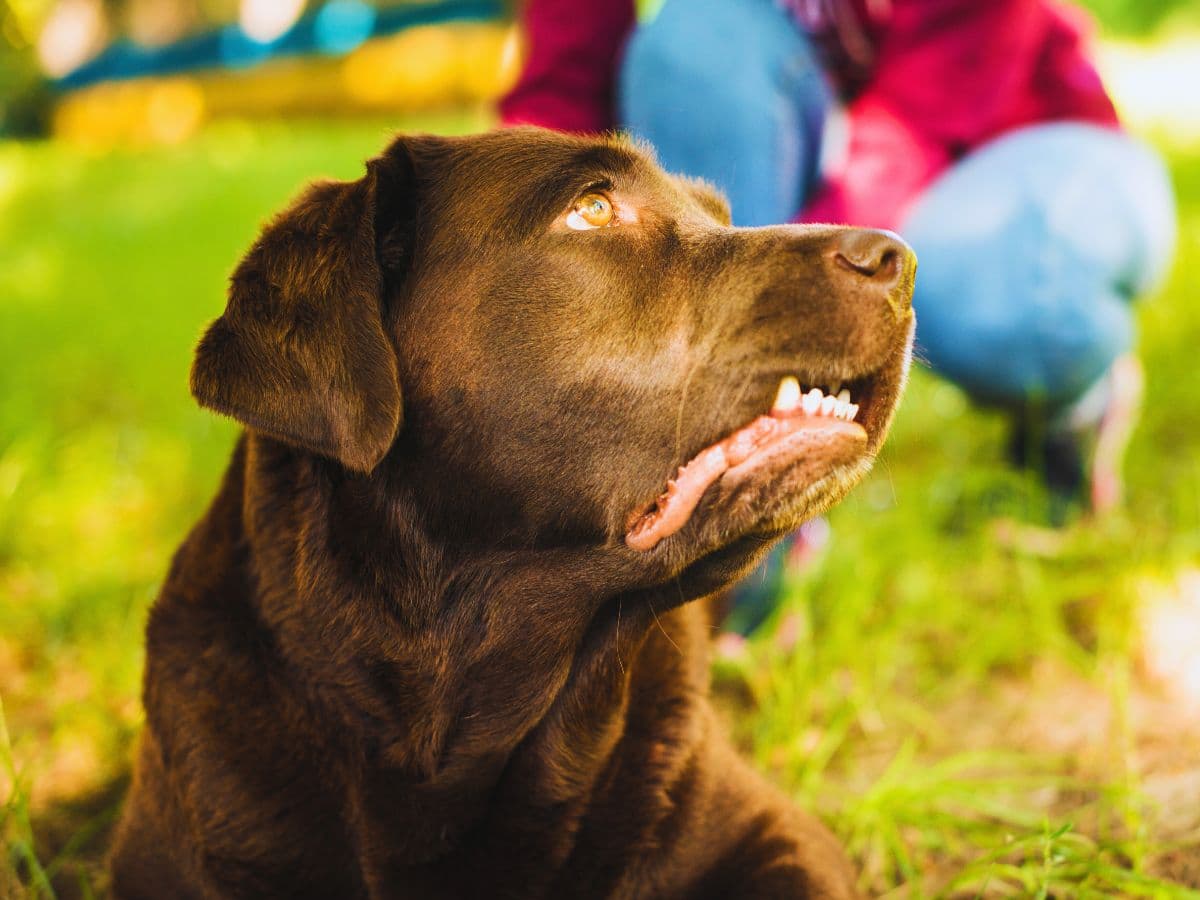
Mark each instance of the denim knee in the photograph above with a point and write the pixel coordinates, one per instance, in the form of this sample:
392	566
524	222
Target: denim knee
1031	250
729	91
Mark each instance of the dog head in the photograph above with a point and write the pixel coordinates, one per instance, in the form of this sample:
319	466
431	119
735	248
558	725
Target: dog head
547	341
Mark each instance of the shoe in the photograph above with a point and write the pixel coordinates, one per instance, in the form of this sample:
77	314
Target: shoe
1127	382
1080	451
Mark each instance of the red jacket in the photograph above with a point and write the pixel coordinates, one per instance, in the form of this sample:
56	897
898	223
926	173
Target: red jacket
933	79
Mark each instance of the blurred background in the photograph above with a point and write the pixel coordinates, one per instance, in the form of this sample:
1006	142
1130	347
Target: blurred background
979	705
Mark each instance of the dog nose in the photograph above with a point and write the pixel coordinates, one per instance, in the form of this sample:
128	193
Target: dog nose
880	257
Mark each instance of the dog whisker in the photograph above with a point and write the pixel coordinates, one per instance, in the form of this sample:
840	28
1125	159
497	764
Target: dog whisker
620	662
658	621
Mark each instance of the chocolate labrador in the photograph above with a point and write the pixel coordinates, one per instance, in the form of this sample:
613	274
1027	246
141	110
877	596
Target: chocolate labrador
512	403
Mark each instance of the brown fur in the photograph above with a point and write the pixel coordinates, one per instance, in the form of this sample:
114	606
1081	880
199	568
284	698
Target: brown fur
406	652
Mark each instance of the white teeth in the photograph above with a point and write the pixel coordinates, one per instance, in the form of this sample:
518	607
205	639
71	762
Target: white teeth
787	398
815	402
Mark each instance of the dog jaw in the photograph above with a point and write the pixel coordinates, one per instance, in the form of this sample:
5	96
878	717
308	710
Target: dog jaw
807	435
782	433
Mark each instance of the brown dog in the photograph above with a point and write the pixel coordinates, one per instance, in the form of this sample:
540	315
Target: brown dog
434	637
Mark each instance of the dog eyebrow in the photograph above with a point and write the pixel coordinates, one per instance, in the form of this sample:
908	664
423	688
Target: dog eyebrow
616	158
596	167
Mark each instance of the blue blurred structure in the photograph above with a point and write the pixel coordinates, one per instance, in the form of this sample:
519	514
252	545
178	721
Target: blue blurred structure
332	30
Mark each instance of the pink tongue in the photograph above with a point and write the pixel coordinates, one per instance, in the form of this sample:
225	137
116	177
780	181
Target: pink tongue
675	505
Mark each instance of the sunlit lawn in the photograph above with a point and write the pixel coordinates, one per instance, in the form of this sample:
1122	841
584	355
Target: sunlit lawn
967	698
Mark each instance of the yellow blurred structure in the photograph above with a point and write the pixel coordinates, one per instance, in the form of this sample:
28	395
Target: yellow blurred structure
1156	85
416	69
460	63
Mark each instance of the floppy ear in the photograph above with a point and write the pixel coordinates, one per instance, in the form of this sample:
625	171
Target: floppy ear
301	353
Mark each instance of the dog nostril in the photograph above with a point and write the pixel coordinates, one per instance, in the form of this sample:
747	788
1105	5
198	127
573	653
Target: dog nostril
877	255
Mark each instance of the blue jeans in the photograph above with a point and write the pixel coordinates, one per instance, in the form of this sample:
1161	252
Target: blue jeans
730	92
1031	248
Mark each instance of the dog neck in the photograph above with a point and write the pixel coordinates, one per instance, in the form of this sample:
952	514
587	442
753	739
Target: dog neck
457	677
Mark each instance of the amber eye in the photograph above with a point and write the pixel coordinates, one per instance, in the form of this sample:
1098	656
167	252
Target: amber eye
590	211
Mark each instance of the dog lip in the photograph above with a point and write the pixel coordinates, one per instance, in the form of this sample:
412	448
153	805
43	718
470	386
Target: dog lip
785	430
821	431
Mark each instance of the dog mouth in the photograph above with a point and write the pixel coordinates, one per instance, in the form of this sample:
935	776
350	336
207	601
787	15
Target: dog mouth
825	424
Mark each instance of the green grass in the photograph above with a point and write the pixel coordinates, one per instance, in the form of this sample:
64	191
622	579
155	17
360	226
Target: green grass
964	698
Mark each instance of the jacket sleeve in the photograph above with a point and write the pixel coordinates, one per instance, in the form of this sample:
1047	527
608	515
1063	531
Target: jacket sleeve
949	76
572	52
